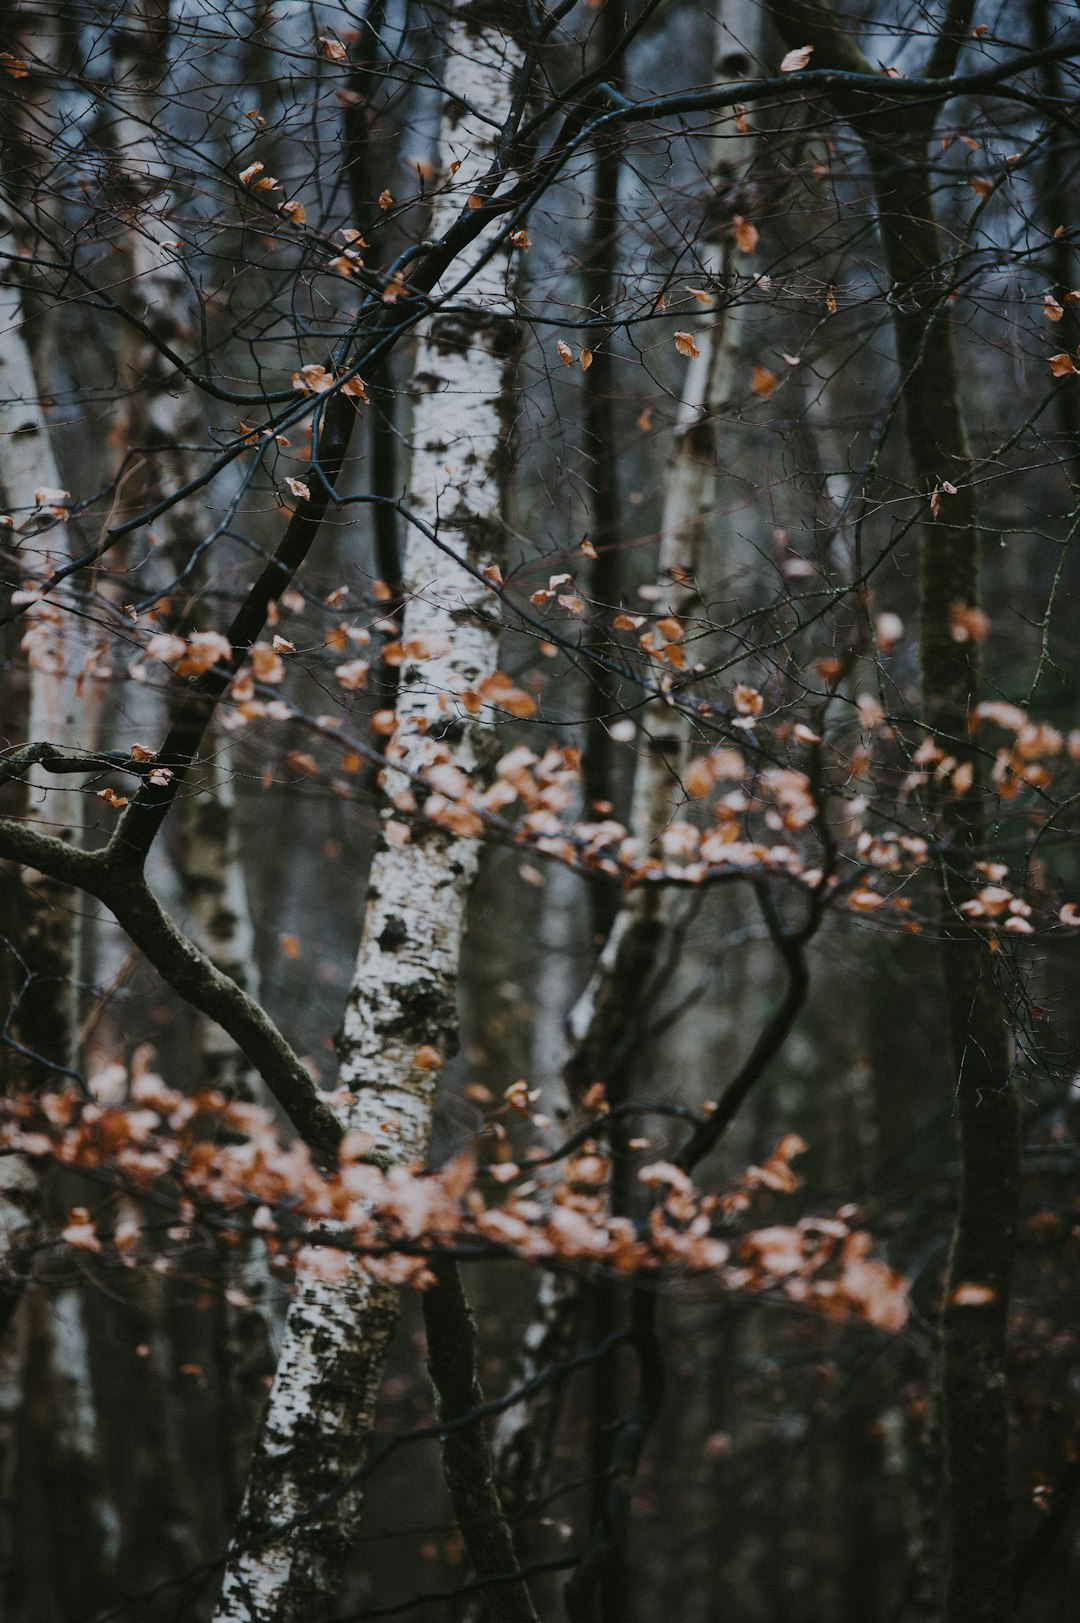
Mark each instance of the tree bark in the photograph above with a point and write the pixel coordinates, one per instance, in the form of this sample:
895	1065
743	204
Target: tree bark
602	1023
974	1356
598	437
44	1021
608	1021
974	1348
167	417
319	1419
56	649
467	1457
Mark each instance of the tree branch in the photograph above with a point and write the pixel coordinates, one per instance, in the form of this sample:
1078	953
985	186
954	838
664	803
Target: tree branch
185	967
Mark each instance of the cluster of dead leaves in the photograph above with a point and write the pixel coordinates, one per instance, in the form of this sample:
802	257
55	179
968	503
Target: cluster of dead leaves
315	379
209	1157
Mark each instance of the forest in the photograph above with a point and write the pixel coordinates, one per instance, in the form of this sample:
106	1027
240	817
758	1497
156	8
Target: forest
539	772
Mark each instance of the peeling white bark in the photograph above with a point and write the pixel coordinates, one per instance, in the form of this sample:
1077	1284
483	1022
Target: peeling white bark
61	709
404	991
57	653
56	646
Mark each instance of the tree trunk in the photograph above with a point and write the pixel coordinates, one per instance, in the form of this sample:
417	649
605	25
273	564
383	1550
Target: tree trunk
319	1419
974	1355
467	1456
166	416
56	649
602	1024
599	431
44	1021
608	1022
974	1351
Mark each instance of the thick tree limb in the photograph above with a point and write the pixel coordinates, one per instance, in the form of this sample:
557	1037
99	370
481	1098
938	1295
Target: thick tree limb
185	967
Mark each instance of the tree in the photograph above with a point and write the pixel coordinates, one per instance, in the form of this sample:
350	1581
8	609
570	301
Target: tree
472	444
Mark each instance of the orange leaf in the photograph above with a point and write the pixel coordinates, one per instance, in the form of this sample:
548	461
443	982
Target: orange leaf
353	675
698	778
763	382
266	663
301	761
499	690
746	234
80	1231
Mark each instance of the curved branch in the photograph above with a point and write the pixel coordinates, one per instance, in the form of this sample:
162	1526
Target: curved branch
186	968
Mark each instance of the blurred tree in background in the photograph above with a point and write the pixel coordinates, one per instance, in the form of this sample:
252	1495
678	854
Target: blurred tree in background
541	753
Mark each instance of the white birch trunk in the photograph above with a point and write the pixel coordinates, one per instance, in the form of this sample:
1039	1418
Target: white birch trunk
404	992
617	991
216	897
167	416
61	680
689	489
57	653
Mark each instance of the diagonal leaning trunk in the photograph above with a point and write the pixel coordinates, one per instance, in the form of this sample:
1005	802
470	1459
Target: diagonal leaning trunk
604	1015
319	1419
605	1024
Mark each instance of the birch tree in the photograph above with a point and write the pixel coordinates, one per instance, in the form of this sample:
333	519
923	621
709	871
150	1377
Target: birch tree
61	662
168	420
296	1528
605	1024
601	1022
882	238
